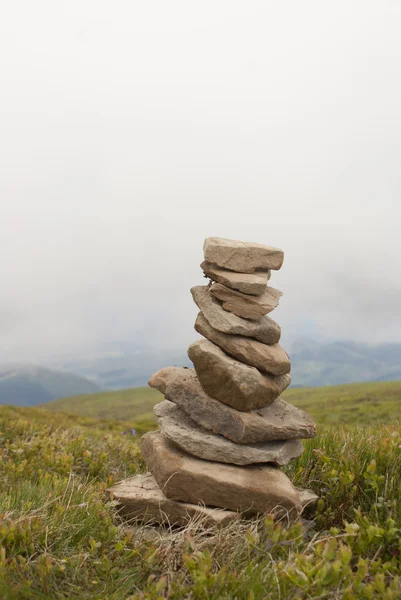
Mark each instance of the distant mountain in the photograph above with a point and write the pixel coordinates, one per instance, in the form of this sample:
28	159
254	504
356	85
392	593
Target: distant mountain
316	364
28	385
117	370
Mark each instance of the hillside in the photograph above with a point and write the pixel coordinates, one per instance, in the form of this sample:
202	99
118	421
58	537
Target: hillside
61	538
350	403
40	417
353	403
134	403
313	364
30	385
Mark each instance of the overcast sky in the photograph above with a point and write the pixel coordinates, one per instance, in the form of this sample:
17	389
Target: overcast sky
132	130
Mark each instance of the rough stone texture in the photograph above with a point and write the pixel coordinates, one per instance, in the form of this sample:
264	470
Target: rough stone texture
184	478
264	329
269	359
279	421
164	408
244	257
308	497
230	381
244	305
248	283
141	499
177	427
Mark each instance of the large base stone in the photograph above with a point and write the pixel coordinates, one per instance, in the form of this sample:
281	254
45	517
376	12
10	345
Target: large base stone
248	283
249	490
244	305
244	257
176	426
263	329
240	386
269	359
279	421
140	499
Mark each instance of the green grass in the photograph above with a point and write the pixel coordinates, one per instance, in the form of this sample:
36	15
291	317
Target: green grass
134	403
60	536
93	426
350	403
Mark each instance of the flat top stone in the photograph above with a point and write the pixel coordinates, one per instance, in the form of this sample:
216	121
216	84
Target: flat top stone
263	329
279	421
180	429
239	385
184	478
248	283
244	257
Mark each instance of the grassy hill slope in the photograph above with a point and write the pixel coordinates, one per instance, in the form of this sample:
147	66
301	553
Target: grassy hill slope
61	538
61	420
350	403
134	403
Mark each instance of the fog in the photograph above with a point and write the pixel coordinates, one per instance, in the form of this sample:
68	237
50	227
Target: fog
131	131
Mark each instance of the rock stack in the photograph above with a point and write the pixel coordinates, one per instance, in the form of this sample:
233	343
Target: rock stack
223	429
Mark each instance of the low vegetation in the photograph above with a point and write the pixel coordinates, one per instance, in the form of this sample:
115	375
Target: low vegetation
60	536
30	385
360	403
351	403
133	403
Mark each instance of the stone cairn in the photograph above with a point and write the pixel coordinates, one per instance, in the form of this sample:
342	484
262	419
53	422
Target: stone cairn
223	429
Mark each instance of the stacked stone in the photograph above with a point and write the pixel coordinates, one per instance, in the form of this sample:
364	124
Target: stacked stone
224	430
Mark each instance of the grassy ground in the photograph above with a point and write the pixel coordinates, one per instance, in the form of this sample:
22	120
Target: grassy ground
60	537
134	403
351	403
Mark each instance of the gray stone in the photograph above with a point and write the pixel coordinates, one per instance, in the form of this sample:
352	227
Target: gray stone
308	497
164	408
266	358
244	257
240	386
177	427
264	329
249	490
248	283
140	499
279	421
244	305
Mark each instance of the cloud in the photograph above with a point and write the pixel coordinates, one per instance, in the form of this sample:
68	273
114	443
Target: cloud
124	148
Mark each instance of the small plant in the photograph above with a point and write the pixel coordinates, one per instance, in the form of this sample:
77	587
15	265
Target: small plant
60	536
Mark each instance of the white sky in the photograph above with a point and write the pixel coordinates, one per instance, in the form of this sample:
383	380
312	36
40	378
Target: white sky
132	130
